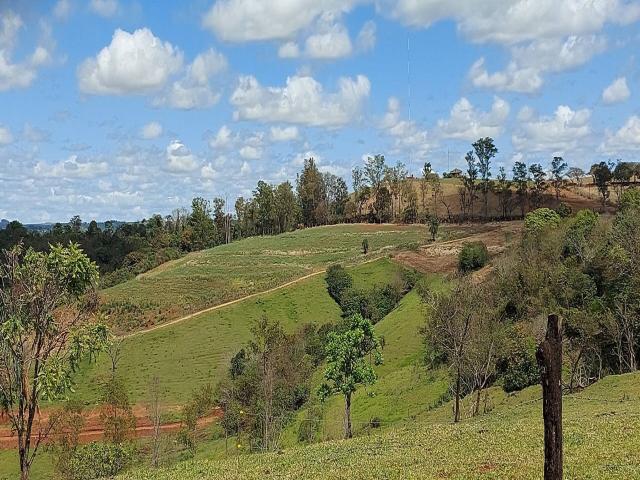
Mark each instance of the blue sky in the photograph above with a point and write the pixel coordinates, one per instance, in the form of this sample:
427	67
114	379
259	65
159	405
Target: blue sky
121	109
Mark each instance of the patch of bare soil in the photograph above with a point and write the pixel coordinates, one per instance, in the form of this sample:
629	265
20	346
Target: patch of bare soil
442	257
93	429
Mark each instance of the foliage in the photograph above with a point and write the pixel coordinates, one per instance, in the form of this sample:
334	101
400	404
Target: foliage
45	332
630	199
434	224
116	413
99	460
541	219
347	362
472	256
338	280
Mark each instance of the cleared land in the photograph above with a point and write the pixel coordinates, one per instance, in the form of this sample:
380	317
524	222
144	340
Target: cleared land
601	427
228	272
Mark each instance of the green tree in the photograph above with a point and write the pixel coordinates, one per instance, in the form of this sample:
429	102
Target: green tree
374	171
265	208
348	364
312	195
469	183
602	177
46	307
558	172
485	150
521	179
504	193
286	207
202	227
539	184
338	280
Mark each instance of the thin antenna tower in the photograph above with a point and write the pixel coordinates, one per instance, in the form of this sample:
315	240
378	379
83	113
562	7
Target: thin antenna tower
409	86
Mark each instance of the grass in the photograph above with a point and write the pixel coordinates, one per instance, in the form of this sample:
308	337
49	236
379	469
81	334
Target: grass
227	272
197	351
601	426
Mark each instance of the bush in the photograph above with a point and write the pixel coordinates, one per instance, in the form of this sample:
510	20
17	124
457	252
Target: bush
519	367
338	280
540	219
630	199
99	460
365	246
473	255
564	210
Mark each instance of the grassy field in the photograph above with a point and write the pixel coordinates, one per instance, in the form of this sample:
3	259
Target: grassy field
601	431
227	272
191	353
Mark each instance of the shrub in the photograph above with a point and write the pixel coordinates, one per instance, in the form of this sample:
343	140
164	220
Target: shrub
630	199
519	367
365	246
338	280
563	210
99	460
538	220
473	255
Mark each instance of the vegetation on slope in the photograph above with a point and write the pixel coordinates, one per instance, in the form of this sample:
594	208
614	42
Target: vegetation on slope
227	272
190	354
601	442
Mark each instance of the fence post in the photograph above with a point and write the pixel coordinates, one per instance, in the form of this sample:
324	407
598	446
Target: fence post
549	356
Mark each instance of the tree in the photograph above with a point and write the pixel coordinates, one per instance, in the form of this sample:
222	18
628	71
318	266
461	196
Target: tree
521	179
395	178
448	330
424	183
374	170
116	413
469	182
434	224
348	363
265	208
202	226
485	150
576	174
338	280
338	196
539	184
154	412
46	303
312	195
558	171
286	208
602	176
503	191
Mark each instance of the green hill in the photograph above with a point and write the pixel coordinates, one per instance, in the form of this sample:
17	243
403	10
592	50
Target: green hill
227	272
197	351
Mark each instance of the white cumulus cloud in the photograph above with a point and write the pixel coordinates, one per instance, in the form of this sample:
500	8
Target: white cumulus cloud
561	132
284	134
105	8
179	158
302	100
626	139
617	92
465	122
132	63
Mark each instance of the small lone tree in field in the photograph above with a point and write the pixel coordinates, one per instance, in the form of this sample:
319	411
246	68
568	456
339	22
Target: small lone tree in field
434	224
347	363
365	246
44	334
558	172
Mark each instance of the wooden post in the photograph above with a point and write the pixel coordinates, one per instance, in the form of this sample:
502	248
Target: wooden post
549	356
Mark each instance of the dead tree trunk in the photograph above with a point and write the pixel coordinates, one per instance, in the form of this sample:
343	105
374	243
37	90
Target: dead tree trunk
549	356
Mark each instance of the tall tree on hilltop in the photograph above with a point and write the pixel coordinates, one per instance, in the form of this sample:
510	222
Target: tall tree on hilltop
469	182
265	207
521	179
312	195
485	150
286	208
558	172
539	184
602	176
374	170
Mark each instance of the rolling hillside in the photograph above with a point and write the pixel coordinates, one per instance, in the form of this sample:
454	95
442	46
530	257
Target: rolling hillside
227	272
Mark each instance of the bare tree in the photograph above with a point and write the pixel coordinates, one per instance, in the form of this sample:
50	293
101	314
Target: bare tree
154	413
